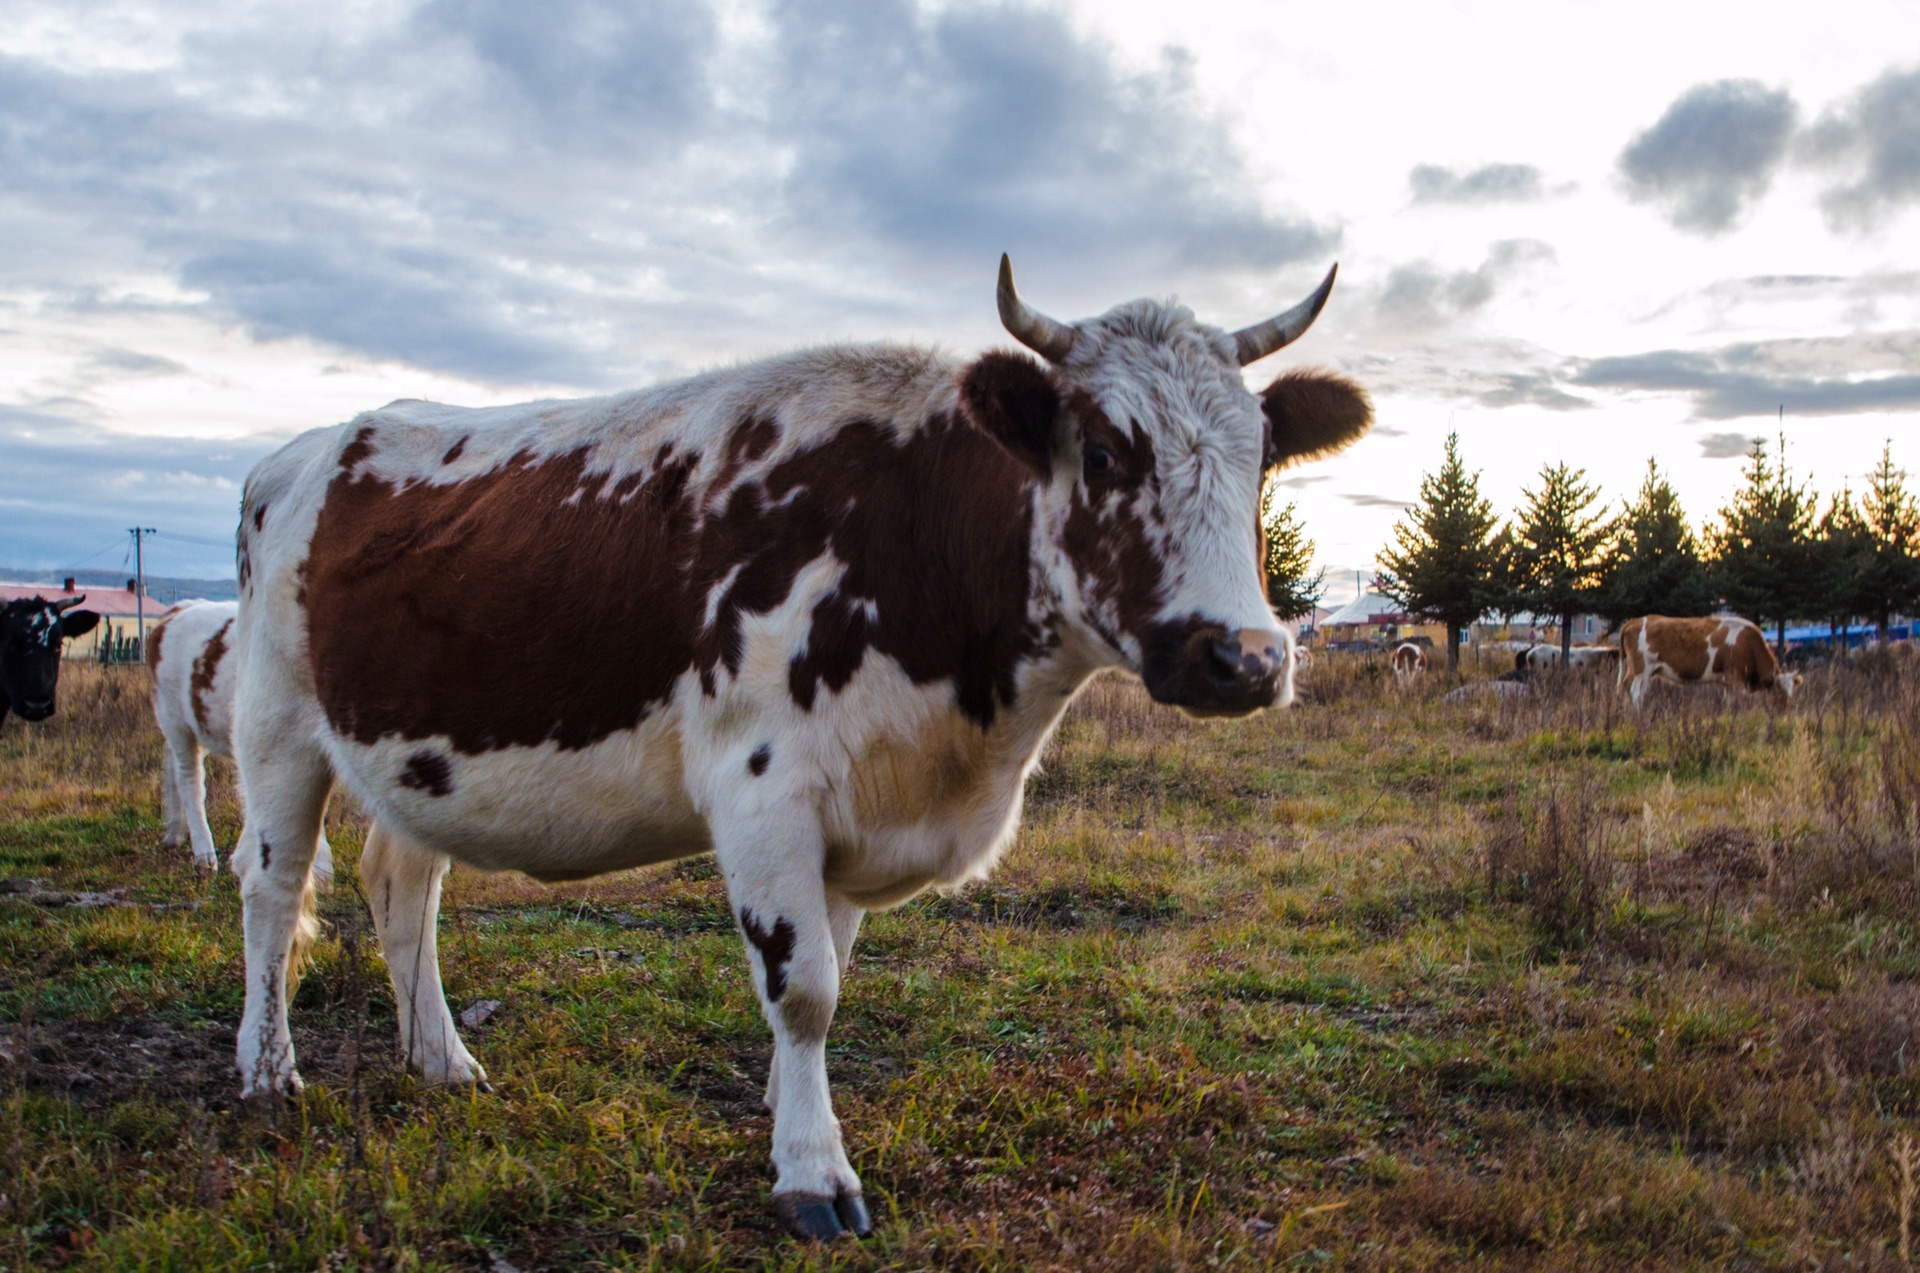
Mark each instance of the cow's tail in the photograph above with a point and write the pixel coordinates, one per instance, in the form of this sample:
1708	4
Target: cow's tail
306	931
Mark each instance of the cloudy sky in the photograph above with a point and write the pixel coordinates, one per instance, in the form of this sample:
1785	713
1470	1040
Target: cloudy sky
1585	232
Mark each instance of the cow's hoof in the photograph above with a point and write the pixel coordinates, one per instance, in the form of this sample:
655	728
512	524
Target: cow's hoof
852	1210
819	1218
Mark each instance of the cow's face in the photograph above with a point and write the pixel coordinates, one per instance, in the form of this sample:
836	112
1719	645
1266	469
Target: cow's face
30	636
1154	453
1787	682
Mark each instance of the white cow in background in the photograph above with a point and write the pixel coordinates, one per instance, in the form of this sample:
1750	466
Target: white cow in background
190	653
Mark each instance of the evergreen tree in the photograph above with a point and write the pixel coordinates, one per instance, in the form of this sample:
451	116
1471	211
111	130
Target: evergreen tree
1763	563
1558	544
1653	565
1294	587
1889	581
1444	563
1839	551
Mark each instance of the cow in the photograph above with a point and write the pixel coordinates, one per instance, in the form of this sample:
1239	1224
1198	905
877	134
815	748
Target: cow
1409	663
31	630
1725	649
189	654
855	588
1541	657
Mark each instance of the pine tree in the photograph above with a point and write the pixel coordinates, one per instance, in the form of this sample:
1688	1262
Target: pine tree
1558	543
1763	563
1889	581
1444	563
1294	587
1839	551
1653	565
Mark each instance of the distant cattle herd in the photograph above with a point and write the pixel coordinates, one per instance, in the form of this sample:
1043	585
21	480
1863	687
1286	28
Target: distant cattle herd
863	582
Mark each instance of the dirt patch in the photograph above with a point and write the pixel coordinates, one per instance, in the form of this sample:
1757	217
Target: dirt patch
106	1063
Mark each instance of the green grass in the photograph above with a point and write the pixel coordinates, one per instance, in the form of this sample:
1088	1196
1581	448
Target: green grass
1379	982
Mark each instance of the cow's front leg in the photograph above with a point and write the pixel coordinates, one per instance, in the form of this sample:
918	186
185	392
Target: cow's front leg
844	917
773	872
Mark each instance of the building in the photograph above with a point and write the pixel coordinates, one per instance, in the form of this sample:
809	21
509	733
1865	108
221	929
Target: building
120	635
1372	619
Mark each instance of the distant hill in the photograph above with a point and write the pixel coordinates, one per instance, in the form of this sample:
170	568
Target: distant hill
165	589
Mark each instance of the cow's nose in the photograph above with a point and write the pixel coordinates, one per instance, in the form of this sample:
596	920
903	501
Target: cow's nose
1244	668
36	708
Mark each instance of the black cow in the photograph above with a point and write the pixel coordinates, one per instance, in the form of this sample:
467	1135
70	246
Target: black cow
30	634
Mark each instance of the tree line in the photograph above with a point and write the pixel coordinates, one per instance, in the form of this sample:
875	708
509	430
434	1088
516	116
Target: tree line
1772	554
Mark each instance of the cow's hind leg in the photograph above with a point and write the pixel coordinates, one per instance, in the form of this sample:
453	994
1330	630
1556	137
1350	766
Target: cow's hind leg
286	780
773	867
402	882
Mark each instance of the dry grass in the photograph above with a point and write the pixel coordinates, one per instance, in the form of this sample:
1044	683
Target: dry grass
1380	982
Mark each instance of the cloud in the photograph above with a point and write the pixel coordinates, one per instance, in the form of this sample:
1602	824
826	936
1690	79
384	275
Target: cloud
1376	501
1419	294
955	134
594	193
1725	446
70	489
1301	483
1877	136
1712	154
1489	183
1536	389
1808	377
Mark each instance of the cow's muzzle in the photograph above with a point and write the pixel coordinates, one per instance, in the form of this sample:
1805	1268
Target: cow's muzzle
1209	671
34	708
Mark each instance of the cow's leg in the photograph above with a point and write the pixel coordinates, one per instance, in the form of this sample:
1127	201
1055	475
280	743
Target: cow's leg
323	859
844	918
171	808
773	871
286	780
187	765
402	882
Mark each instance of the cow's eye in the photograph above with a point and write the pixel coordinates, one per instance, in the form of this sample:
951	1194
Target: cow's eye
1100	462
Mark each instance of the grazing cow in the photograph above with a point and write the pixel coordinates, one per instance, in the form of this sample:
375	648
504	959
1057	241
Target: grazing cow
1720	648
1409	663
189	653
1541	657
855	588
31	631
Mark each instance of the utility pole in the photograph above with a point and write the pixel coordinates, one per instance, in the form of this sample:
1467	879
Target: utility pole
140	590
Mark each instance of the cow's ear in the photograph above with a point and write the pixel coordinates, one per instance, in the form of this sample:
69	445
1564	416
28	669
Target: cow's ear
1010	398
77	623
1312	414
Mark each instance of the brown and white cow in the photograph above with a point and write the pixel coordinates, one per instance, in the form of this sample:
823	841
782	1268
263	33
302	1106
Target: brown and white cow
194	677
1409	663
1725	649
840	599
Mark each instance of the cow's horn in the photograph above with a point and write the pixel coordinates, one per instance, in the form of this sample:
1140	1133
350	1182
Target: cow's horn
68	604
1261	339
1028	325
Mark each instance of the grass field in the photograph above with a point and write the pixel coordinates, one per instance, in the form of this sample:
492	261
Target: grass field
1379	982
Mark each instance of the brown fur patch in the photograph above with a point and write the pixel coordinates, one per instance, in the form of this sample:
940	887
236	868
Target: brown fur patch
1105	537
454	452
898	782
410	588
775	945
205	669
155	638
1312	414
429	772
808	1015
